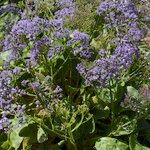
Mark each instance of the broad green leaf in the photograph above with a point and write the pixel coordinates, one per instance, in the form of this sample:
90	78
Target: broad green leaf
3	57
5	145
72	90
95	44
40	76
107	143
132	92
41	136
134	145
138	146
15	139
123	126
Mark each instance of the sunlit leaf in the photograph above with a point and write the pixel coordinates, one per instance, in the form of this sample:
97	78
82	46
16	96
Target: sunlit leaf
15	139
41	136
107	143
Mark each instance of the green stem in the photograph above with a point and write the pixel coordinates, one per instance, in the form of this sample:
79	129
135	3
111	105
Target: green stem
112	100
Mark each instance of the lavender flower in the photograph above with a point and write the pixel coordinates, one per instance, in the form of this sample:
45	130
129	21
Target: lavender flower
102	72
10	8
80	37
67	8
81	69
8	96
118	14
62	33
65	12
36	85
65	3
111	9
108	68
58	92
25	83
54	51
4	123
27	30
55	23
86	54
135	32
102	53
16	70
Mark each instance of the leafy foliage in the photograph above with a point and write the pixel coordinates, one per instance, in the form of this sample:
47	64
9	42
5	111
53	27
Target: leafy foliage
74	75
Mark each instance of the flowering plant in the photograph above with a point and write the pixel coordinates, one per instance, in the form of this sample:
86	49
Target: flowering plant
64	85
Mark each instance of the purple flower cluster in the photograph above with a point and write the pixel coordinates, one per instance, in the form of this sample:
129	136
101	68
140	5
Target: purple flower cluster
36	49
118	14
81	44
58	92
62	33
80	37
66	8
65	3
81	69
10	8
54	51
105	69
26	31
8	93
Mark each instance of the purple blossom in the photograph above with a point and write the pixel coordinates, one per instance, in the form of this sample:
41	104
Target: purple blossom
102	53
10	8
55	23
54	51
16	70
81	69
103	7
58	90
36	85
25	83
136	33
4	123
62	33
27	30
66	8
8	96
107	68
80	37
65	12
102	72
86	54
27	27
118	13
65	3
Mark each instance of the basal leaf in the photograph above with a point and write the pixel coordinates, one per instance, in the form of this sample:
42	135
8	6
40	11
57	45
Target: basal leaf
123	126
132	92
107	143
15	139
41	136
135	145
5	145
